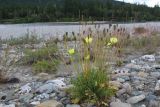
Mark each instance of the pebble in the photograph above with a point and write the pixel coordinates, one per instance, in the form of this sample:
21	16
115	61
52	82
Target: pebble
153	103
135	99
128	87
150	58
35	103
72	105
119	104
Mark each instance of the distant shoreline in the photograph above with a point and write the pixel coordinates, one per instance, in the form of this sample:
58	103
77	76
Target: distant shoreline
76	23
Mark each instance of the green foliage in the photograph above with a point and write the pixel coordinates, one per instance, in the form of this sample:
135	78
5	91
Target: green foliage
44	59
92	86
19	11
45	53
45	66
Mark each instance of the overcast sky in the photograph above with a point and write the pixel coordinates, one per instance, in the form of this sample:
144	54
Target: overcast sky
150	3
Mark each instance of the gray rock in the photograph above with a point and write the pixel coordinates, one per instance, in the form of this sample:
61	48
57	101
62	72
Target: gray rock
35	103
140	86
121	80
26	98
52	85
156	66
150	97
143	105
128	87
119	104
43	96
46	88
153	103
72	105
150	58
135	99
136	93
10	105
157	88
25	89
62	94
155	74
120	92
126	78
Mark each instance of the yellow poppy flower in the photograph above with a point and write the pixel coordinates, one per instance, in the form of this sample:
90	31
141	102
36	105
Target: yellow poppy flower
88	40
71	51
113	40
87	57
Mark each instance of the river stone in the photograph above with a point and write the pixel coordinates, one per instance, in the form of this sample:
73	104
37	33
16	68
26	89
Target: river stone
143	74
128	87
153	103
43	96
157	88
150	97
52	85
135	99
25	89
119	104
50	103
143	105
35	103
150	58
10	105
72	105
120	92
136	93
155	74
46	88
26	98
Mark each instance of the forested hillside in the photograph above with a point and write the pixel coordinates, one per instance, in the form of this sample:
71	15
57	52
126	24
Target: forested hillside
17	11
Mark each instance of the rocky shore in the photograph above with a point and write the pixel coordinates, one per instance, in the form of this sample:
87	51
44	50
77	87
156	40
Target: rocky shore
137	81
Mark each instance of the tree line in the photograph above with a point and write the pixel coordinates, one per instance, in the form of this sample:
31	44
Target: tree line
18	11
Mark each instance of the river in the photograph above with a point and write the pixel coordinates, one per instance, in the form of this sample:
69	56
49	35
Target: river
58	29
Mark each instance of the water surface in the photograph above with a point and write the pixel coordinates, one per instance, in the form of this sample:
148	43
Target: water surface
57	30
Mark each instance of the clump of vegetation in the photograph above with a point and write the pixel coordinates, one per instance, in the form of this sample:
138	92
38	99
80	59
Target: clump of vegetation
92	81
45	66
145	44
46	53
44	59
92	87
